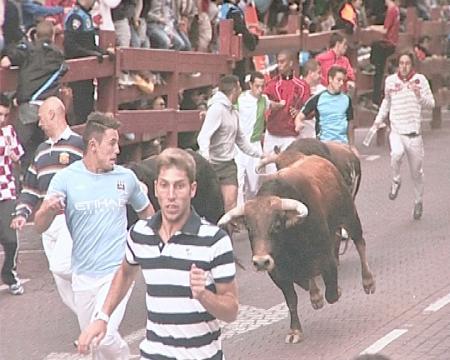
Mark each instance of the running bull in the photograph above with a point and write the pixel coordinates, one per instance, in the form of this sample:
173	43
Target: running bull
341	155
208	201
291	224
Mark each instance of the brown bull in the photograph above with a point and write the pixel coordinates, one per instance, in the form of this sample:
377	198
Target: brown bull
291	225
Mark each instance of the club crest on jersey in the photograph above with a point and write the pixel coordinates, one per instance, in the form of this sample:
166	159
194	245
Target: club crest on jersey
64	158
120	185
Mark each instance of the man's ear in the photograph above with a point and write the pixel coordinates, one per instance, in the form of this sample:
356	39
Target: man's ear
193	188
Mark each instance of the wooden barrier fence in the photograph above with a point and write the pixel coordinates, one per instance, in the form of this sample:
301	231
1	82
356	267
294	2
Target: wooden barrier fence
178	68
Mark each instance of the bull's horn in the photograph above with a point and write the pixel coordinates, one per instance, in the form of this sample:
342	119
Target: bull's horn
269	159
230	215
291	204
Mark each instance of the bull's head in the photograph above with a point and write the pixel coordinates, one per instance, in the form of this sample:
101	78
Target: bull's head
266	217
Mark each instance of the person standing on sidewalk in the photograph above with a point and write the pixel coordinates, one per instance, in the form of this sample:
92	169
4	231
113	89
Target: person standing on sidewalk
93	194
405	94
61	149
188	269
220	133
252	106
10	154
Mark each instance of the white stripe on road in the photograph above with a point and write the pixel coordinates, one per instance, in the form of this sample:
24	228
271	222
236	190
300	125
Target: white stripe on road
6	287
372	157
249	318
384	341
439	304
37	251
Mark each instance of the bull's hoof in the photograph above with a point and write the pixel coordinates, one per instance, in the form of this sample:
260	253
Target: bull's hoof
294	337
369	285
317	300
334	297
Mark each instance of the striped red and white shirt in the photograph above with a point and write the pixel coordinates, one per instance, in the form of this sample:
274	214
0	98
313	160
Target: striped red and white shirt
8	145
402	104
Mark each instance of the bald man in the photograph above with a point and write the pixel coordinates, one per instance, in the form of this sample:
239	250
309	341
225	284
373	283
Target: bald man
62	148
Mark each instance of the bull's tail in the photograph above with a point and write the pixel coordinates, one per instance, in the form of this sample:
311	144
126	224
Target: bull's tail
355	176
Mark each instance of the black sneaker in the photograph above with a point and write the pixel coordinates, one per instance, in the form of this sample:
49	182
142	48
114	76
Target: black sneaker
395	187
418	210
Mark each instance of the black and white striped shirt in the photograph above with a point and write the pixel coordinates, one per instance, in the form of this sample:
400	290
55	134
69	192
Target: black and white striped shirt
178	326
49	158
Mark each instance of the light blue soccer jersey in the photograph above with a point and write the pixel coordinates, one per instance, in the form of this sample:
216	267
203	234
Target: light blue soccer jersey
96	214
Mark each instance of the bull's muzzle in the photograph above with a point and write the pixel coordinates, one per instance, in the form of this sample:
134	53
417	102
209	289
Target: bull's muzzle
263	262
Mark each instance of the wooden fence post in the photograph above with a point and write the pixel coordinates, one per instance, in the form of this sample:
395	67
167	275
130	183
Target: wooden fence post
107	87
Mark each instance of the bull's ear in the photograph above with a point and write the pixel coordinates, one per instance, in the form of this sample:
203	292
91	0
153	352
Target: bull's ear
292	218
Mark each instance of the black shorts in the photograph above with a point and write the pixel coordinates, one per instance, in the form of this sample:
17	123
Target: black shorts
226	172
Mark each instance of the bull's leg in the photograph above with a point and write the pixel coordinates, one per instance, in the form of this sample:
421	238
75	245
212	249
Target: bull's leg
315	294
329	274
295	335
355	231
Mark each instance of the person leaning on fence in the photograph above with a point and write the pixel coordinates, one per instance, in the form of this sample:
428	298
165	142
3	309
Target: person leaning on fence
405	94
188	269
220	133
79	41
10	154
41	67
62	148
93	194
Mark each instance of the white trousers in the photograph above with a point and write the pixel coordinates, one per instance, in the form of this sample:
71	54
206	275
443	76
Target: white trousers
248	179
270	141
57	244
309	131
412	147
88	302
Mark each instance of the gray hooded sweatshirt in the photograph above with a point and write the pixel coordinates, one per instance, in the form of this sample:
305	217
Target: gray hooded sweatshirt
220	132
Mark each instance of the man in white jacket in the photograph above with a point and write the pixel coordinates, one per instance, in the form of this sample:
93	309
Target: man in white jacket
406	93
220	133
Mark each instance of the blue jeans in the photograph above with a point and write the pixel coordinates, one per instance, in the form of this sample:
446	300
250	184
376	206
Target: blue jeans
160	39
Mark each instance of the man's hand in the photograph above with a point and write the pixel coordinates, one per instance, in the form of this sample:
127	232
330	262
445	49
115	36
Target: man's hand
299	125
18	222
5	62
93	334
197	278
293	111
278	105
54	203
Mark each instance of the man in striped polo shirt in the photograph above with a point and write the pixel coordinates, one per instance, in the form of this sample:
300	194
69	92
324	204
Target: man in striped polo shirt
405	94
188	267
62	148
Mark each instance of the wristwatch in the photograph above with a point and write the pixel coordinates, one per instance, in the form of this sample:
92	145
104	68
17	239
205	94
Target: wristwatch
100	315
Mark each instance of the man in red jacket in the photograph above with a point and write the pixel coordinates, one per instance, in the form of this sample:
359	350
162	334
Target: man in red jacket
291	90
335	56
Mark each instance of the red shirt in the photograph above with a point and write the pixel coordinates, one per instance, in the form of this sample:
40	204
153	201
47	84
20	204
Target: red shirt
392	24
295	92
328	59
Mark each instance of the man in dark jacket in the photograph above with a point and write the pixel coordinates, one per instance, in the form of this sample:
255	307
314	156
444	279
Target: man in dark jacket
41	67
79	41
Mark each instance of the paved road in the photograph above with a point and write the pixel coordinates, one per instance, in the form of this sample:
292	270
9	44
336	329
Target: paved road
407	317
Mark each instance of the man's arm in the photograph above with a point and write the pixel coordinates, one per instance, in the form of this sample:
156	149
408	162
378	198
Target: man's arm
120	285
223	304
147	212
209	127
52	206
424	95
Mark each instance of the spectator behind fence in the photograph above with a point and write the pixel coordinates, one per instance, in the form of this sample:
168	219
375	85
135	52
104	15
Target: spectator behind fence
405	94
162	27
122	16
335	56
422	48
41	67
79	41
11	28
382	49
348	16
139	37
33	12
10	153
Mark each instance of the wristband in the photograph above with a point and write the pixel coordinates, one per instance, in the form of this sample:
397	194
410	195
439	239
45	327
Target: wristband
100	315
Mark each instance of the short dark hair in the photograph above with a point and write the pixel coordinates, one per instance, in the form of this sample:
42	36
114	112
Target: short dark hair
228	83
177	158
310	66
5	100
335	38
334	70
96	125
289	54
256	75
45	30
424	38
